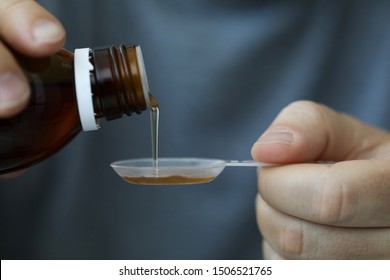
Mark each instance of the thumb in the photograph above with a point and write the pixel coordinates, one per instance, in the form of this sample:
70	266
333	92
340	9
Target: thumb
305	131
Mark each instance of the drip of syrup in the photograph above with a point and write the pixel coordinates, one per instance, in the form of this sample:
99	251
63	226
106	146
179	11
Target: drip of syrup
154	121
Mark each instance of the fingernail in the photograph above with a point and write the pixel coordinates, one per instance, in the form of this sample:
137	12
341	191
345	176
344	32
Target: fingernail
13	91
47	31
272	136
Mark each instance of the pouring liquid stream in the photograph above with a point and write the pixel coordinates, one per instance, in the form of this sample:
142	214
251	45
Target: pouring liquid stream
156	178
209	169
154	123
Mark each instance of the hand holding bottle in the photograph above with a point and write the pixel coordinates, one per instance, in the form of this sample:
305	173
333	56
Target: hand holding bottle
308	210
27	28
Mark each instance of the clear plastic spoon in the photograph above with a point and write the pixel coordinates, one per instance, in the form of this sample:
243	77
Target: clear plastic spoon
173	171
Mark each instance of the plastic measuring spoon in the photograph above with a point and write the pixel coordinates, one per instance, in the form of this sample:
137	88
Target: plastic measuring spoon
173	171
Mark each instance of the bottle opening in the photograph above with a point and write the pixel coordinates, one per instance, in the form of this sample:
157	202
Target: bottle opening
110	82
144	79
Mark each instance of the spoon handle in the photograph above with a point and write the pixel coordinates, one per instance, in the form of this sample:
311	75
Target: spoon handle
248	163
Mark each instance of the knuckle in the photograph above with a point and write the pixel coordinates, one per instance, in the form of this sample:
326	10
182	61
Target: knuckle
306	107
309	112
290	241
336	202
9	10
9	5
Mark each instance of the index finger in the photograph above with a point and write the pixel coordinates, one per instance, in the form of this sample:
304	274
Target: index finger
28	28
351	193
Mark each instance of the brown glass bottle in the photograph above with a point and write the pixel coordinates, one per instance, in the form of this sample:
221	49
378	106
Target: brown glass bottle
52	117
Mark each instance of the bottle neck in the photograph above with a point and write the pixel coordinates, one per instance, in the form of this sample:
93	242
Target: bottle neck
119	82
110	82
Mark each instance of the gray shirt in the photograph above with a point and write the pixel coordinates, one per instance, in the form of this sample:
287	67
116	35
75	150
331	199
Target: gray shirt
221	71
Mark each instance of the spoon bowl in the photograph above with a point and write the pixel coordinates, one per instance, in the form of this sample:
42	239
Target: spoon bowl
173	171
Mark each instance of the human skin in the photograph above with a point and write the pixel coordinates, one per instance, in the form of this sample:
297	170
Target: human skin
29	29
305	210
330	198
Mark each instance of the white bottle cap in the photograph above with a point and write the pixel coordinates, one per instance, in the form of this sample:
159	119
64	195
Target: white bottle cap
82	69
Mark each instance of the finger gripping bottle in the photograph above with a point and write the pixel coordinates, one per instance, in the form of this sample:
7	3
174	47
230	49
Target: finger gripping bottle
69	93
